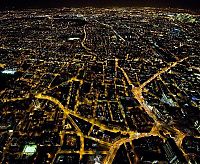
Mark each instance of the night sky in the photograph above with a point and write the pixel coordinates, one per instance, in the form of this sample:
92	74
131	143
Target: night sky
21	4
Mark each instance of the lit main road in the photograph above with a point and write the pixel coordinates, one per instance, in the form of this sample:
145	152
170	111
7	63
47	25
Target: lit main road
67	112
110	27
137	91
83	44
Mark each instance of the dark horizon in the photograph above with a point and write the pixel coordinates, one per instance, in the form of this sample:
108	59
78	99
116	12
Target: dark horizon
28	4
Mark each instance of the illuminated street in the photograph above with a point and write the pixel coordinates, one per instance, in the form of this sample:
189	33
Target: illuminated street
99	85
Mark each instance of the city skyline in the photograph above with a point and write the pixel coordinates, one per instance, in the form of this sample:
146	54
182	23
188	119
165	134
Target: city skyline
23	4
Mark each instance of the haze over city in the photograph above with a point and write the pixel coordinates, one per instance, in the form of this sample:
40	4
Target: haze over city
20	4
